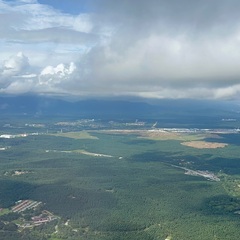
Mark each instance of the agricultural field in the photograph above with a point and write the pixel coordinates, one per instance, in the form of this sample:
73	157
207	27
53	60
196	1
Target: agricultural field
118	181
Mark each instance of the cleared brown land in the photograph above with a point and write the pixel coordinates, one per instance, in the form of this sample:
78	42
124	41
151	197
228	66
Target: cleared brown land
160	135
203	144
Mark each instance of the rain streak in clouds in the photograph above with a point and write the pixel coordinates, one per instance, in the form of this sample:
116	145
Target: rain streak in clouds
149	49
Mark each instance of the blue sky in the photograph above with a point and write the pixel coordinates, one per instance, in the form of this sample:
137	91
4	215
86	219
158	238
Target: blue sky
92	48
72	7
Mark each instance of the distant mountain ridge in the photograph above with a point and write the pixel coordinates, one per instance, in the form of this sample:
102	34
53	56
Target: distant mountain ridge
104	108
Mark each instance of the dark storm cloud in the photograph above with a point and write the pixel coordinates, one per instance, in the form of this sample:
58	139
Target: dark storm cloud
203	13
170	44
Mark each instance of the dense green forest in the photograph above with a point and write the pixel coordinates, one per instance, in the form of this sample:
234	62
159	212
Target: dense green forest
135	193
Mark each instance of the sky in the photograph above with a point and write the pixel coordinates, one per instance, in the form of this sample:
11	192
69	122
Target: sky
110	48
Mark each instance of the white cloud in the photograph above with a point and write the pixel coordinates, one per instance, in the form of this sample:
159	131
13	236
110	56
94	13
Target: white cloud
227	92
19	87
15	65
15	78
36	16
55	75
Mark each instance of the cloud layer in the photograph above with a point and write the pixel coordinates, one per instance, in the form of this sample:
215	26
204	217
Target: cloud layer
152	49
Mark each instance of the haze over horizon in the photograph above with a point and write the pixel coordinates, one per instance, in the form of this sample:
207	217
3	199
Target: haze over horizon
148	49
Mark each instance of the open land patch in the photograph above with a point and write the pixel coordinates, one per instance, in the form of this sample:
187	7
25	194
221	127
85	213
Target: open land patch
16	173
206	174
92	154
161	134
204	144
74	135
81	152
164	135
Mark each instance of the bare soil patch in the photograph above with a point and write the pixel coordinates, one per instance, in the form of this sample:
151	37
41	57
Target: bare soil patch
204	144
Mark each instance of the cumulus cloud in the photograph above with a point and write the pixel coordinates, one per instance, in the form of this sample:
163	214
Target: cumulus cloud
152	49
15	65
16	79
14	75
52	76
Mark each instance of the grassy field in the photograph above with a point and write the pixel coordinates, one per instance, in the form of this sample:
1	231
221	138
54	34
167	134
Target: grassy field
74	135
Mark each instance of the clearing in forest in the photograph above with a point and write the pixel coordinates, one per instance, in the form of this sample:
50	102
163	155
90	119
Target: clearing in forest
75	135
204	144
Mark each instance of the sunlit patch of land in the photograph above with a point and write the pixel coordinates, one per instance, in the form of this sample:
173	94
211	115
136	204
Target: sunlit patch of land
206	174
74	135
4	211
80	151
91	153
154	135
166	134
204	144
110	190
16	173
